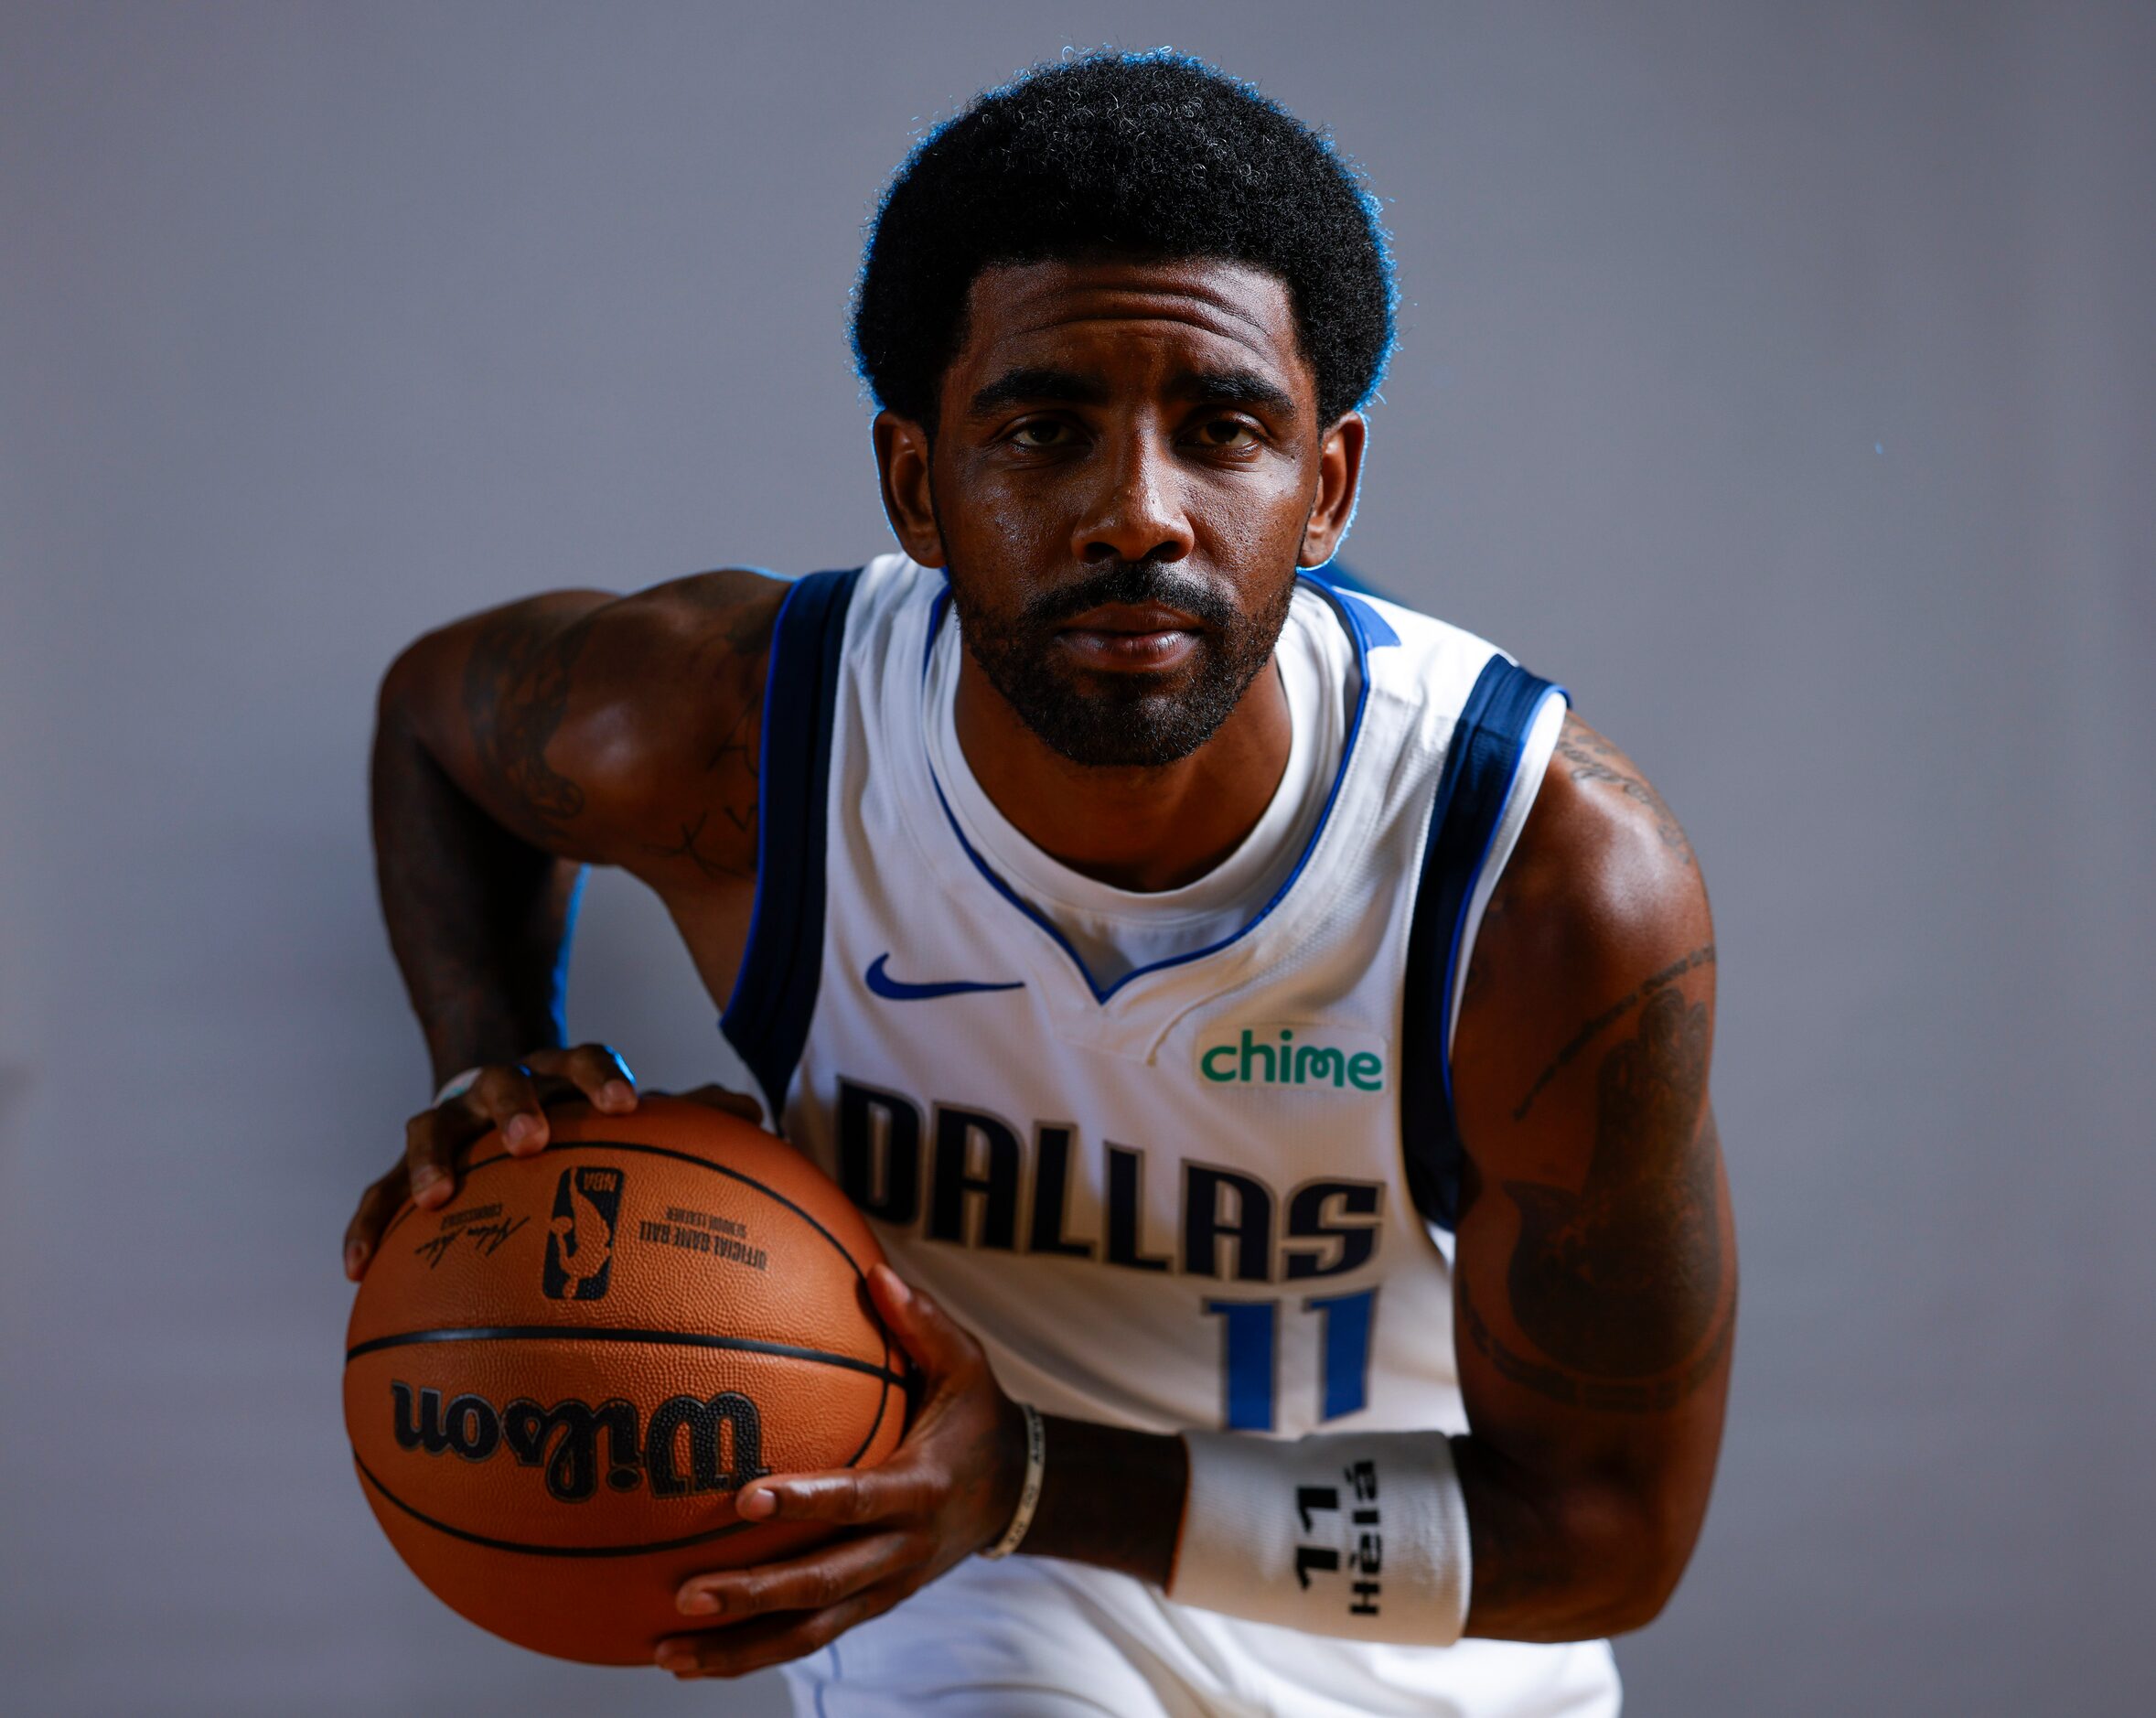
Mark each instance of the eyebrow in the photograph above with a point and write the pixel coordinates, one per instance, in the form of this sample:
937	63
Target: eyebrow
1014	387
1193	387
1230	387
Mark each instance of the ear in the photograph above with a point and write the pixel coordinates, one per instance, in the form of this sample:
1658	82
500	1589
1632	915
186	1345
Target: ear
1339	473
903	459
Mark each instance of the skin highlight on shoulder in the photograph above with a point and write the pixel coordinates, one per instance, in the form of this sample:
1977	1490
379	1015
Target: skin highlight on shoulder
629	732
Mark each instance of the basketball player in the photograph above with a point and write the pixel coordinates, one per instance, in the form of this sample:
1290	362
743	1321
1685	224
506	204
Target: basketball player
1270	1032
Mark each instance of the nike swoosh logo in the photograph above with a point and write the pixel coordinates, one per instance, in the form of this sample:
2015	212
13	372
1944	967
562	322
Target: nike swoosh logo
881	983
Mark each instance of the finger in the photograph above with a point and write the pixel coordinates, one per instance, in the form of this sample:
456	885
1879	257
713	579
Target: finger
431	1140
806	1583
928	1334
363	1233
504	1096
898	1490
765	1642
597	1070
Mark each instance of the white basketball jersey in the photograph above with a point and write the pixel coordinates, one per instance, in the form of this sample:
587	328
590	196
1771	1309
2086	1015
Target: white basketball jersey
1216	1192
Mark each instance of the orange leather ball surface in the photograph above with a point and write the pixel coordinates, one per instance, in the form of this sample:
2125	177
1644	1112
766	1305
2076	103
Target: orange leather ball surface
555	1383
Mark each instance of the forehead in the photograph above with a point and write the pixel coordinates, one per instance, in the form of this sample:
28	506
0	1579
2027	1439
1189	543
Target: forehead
1113	313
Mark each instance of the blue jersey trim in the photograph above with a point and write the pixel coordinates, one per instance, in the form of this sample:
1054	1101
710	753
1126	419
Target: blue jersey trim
1348	592
768	1015
1353	622
1481	766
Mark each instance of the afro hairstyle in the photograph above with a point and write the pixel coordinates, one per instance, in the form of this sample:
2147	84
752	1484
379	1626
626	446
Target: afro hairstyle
1149	155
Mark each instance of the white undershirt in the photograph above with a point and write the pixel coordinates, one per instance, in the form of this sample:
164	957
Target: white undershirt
1117	930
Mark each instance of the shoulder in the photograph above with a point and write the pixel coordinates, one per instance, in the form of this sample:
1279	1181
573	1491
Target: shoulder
617	728
1601	904
654	668
1603	859
664	718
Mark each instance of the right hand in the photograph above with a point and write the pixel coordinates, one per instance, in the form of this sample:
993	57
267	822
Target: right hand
511	1096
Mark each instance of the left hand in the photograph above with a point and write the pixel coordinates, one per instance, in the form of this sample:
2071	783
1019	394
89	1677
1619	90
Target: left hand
949	1490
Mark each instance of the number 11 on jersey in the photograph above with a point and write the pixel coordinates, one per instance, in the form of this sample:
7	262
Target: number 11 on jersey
1250	1351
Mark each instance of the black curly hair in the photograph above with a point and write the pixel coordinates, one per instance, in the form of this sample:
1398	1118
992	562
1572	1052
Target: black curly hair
1152	154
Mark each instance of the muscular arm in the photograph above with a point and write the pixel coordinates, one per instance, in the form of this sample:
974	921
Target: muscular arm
477	910
1595	1283
516	746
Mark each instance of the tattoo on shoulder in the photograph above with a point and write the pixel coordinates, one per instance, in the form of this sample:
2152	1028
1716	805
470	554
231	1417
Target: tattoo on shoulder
516	691
1620	1284
719	837
1593	759
714	859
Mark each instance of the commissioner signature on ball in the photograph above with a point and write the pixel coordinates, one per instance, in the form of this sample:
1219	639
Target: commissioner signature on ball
486	1236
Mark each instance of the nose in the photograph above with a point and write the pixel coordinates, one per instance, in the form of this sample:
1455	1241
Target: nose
1137	513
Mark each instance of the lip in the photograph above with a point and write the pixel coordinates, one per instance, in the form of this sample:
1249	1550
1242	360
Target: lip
1130	636
1131	620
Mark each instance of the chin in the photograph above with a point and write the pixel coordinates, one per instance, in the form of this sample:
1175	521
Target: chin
1146	729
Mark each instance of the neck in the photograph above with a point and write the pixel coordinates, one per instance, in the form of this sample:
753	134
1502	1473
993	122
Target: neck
1146	829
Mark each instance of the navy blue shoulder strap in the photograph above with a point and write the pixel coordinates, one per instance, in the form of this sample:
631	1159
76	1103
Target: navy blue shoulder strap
1480	767
766	1018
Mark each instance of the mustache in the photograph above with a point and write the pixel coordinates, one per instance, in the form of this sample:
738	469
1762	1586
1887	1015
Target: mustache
1134	583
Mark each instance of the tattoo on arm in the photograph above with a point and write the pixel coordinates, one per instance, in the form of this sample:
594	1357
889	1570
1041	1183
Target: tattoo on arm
1615	1011
712	865
732	783
516	691
1593	759
1620	1285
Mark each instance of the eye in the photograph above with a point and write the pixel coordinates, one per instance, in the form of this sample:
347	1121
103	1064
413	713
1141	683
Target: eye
1041	432
1227	432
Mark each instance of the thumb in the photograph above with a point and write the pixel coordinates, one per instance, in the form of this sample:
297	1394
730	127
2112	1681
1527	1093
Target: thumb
931	1340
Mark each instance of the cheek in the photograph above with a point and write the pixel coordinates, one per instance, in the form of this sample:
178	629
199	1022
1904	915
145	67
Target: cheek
1009	524
1253	527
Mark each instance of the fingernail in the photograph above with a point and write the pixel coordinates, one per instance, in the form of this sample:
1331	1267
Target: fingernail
699	1603
520	1131
617	1094
757	1504
355	1256
901	1291
429	1185
676	1659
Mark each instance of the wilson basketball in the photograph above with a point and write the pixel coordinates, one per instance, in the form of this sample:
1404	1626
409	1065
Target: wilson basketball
555	1383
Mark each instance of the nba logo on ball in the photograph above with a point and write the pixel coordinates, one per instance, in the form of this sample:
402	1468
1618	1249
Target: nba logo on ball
580	1234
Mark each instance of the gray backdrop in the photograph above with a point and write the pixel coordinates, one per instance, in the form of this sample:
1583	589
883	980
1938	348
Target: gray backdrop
1779	376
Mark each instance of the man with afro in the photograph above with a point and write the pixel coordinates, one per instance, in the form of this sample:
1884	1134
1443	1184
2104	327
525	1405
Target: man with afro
1267	1031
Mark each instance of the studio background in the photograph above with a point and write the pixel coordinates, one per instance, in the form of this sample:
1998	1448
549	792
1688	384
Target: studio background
1780	377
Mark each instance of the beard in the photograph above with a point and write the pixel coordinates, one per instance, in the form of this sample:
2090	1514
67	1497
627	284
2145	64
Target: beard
1124	720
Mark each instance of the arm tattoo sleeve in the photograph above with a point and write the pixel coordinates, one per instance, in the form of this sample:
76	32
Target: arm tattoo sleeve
516	691
1619	1283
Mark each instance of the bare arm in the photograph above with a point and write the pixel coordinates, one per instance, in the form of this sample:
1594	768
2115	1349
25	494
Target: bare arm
472	866
515	746
1596	1281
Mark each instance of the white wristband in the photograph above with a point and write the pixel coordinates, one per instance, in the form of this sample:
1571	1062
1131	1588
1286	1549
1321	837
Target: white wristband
1357	1534
1029	1491
456	1086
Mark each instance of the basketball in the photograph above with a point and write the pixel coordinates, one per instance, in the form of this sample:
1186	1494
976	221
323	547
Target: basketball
555	1383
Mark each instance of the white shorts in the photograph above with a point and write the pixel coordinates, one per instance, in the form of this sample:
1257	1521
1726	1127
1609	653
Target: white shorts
1034	1637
